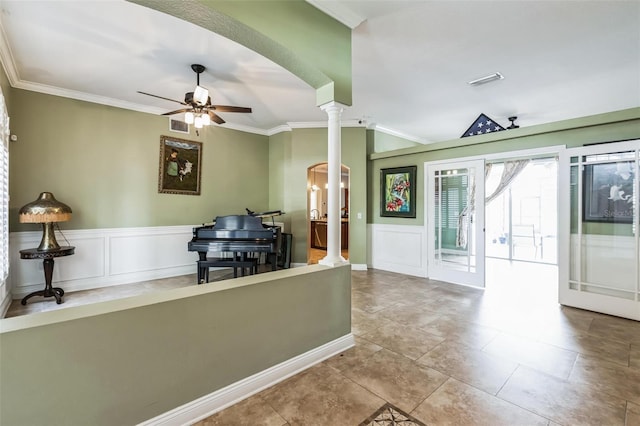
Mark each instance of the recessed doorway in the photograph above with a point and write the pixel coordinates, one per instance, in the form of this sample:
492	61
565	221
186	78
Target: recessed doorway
317	188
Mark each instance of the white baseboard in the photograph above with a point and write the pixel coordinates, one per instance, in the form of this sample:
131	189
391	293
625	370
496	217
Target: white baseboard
207	405
358	266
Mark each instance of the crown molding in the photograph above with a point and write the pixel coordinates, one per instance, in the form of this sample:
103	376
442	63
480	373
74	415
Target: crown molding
6	56
279	129
339	12
324	124
406	136
246	129
82	96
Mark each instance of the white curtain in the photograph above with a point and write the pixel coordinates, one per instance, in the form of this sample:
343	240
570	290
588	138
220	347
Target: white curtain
511	170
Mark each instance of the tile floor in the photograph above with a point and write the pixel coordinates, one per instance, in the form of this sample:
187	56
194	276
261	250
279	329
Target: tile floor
451	355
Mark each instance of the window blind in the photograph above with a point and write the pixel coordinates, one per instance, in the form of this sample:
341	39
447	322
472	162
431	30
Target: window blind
4	190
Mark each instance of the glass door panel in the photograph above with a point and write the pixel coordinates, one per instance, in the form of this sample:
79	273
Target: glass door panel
455	221
602	238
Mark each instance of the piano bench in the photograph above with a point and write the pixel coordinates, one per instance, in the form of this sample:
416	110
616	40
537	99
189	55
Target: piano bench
223	262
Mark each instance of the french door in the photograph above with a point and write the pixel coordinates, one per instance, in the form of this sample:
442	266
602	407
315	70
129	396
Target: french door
599	229
455	222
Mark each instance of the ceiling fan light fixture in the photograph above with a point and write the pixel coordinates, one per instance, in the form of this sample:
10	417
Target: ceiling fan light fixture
200	95
198	122
486	79
206	120
188	117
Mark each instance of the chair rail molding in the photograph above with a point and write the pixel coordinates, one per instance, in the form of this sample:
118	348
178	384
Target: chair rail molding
104	258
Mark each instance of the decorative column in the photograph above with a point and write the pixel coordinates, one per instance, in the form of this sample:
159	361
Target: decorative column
334	160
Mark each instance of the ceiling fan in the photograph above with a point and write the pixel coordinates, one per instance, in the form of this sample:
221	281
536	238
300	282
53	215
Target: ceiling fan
199	111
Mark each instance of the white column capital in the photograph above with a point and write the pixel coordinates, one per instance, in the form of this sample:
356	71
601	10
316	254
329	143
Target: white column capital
333	106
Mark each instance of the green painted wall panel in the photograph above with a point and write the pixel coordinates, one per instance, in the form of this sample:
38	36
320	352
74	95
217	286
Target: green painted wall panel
315	37
385	142
104	161
125	361
610	127
305	148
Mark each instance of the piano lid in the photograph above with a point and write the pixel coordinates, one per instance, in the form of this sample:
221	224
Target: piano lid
238	222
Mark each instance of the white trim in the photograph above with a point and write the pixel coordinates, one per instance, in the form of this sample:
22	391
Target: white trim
468	278
398	248
105	257
358	266
506	155
242	128
207	405
402	135
576	297
279	129
324	124
6	57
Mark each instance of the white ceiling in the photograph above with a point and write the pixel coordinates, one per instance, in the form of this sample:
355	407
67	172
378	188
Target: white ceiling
411	62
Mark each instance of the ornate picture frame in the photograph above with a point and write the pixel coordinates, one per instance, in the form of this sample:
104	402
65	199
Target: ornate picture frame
180	166
398	192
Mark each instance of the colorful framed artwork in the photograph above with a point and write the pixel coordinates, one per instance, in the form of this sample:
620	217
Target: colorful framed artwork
398	192
180	166
608	192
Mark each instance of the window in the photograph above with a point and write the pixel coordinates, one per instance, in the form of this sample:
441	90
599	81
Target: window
4	190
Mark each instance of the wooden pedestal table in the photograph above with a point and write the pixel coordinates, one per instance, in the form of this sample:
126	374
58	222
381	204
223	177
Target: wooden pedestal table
47	256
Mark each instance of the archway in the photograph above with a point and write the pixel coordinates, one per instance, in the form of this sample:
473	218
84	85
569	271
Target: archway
317	212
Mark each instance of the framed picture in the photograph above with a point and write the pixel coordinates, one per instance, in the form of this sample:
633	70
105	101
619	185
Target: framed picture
398	192
180	166
608	192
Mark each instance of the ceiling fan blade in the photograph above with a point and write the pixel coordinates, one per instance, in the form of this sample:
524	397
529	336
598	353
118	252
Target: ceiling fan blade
227	108
215	117
161	97
178	111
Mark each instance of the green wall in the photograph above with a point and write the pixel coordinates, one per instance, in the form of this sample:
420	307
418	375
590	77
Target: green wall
609	127
124	361
301	149
104	161
385	142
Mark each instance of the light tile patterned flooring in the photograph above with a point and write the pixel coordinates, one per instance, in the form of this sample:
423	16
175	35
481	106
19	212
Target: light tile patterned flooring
451	355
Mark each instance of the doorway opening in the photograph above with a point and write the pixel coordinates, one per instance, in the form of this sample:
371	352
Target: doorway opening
521	214
317	189
497	217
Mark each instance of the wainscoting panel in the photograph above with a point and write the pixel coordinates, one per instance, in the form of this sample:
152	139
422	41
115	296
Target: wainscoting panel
104	257
398	248
153	252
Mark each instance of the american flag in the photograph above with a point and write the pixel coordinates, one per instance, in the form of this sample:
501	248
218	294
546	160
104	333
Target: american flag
481	126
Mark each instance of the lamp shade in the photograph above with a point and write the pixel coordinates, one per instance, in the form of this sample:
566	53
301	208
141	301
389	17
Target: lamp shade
45	209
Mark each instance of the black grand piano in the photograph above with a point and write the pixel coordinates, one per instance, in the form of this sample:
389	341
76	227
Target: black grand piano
237	238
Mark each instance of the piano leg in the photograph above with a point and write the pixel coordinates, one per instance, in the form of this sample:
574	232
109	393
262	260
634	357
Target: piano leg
202	271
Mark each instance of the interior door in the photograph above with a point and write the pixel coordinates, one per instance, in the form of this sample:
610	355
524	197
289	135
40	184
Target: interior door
599	229
455	222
